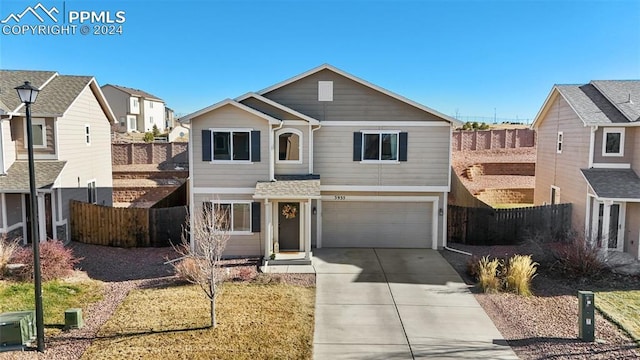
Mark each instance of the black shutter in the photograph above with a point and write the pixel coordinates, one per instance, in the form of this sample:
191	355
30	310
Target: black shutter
357	146
255	217
402	156
255	146
206	145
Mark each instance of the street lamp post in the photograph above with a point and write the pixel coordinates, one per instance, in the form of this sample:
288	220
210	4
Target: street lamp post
28	94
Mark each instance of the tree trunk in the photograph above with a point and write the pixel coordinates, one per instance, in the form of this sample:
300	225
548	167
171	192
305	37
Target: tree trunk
213	304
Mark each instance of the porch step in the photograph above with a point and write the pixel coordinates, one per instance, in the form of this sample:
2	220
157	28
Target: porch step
288	262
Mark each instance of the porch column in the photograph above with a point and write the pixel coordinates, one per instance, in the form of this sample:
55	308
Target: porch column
42	226
319	223
307	230
268	238
606	223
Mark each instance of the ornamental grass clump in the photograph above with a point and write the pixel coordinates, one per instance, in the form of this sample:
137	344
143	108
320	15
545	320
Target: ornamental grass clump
7	249
488	276
520	271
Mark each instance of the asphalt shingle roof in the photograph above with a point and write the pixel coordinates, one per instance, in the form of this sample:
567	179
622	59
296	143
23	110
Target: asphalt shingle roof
624	94
592	107
287	189
17	178
135	92
9	79
613	183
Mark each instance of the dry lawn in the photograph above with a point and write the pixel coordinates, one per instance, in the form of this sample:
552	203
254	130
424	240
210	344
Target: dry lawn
255	321
623	308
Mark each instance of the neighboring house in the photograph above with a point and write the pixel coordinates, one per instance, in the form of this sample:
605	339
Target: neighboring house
71	123
588	155
136	110
169	118
324	159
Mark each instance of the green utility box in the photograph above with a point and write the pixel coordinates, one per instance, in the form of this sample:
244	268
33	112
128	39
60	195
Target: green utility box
586	316
17	328
73	319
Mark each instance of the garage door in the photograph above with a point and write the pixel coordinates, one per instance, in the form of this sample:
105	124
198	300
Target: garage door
376	224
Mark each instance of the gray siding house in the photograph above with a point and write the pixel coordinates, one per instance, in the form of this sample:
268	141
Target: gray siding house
72	151
136	110
324	159
588	143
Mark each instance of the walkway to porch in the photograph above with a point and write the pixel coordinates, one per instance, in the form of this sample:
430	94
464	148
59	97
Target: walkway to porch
621	263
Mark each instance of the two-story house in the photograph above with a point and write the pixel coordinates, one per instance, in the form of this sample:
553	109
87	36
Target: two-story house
72	151
588	155
136	110
323	159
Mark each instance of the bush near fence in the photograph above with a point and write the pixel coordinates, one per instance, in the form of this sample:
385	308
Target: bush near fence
485	226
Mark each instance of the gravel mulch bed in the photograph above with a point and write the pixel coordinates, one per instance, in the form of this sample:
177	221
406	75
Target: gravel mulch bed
545	326
123	270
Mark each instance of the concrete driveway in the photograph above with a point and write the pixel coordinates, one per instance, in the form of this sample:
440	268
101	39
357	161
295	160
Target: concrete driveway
398	304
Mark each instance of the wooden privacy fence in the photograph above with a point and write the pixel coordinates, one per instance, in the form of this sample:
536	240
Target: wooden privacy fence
126	227
487	226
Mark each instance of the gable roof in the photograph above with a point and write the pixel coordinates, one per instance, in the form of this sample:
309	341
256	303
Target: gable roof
294	115
135	92
17	176
231	102
364	83
600	102
57	92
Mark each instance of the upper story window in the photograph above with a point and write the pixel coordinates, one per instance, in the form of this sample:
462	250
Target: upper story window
231	145
151	104
135	103
559	143
289	145
380	146
613	142
38	132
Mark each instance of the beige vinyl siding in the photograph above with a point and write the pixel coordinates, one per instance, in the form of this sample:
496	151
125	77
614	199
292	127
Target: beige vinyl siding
563	170
18	129
427	158
351	101
238	245
8	145
629	142
85	162
632	235
283	168
206	174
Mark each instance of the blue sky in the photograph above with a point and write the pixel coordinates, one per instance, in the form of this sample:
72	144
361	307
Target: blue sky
458	57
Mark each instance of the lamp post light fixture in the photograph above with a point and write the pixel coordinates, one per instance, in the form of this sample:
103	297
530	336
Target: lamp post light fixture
28	95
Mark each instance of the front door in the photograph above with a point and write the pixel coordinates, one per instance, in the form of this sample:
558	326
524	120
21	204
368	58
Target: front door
613	237
289	226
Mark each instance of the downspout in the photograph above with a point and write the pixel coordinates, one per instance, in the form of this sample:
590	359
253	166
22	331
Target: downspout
311	148
272	156
458	251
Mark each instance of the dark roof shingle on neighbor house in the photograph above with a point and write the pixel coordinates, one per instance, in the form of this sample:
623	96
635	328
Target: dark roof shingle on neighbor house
9	79
17	177
136	92
613	183
603	102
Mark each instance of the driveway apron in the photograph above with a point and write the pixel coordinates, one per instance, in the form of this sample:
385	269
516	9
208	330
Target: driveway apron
398	304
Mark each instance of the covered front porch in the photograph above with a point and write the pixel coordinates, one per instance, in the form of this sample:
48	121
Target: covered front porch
288	212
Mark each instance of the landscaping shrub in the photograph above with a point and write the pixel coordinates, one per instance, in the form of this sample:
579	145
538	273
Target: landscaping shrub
244	274
520	271
187	269
155	131
7	249
578	258
148	137
56	261
488	276
473	267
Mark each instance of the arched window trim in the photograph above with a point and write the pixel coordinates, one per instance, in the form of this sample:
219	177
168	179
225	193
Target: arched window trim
300	145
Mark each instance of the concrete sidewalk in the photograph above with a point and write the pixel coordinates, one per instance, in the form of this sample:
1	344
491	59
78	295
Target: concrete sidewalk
398	304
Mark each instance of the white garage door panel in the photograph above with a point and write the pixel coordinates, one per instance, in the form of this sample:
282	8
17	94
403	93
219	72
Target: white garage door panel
376	224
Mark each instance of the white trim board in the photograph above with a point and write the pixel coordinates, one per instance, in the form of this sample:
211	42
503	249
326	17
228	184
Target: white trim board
384	188
426	123
611	166
347	198
222	190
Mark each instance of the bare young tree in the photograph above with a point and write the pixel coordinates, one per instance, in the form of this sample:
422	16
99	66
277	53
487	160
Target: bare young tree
203	242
